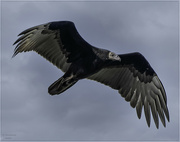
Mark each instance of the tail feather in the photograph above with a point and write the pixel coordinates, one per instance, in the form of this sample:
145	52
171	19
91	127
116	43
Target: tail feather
60	85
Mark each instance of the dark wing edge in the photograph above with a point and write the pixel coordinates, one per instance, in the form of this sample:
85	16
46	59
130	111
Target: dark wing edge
138	84
45	42
74	46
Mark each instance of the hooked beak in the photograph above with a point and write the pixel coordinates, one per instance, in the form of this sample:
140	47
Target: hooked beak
117	58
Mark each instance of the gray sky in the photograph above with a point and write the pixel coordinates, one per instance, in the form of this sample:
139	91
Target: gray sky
88	110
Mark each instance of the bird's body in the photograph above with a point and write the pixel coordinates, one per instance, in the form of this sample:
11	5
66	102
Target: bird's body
130	74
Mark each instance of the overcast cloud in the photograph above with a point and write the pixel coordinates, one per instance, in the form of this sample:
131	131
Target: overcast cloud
88	110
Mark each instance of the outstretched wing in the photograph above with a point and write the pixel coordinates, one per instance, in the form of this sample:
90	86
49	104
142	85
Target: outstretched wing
138	84
58	42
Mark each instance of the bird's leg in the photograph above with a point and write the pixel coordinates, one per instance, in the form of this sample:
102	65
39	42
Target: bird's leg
62	84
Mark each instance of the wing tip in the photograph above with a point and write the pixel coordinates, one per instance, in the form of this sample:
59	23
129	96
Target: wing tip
13	55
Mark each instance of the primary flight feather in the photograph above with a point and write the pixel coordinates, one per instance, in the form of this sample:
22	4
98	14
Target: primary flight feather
130	74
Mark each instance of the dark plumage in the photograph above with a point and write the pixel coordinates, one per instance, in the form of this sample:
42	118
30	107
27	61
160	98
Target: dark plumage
130	74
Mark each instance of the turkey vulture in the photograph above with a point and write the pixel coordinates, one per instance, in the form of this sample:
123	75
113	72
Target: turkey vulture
130	74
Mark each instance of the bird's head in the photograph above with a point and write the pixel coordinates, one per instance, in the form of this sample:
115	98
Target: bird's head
106	55
113	56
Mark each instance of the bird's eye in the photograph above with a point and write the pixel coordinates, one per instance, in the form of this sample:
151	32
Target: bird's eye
112	54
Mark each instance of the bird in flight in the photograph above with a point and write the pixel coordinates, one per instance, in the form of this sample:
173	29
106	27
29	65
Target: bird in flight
60	43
